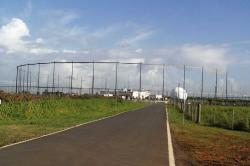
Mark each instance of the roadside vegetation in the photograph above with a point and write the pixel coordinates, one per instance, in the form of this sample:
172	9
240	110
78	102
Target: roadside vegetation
228	117
22	120
205	145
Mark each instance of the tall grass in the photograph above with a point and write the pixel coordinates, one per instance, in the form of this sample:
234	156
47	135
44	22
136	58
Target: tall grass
229	117
23	120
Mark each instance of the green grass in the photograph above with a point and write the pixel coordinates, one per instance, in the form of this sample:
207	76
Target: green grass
23	120
209	145
229	117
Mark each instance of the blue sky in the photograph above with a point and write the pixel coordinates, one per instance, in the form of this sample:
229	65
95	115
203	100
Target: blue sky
213	34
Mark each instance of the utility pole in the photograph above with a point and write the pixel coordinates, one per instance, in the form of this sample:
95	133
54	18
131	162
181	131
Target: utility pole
216	83
140	78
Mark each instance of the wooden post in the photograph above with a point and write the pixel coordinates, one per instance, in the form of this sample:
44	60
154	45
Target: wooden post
198	118
233	120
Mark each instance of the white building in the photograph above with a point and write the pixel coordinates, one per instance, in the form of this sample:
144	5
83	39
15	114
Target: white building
179	93
108	95
140	95
158	97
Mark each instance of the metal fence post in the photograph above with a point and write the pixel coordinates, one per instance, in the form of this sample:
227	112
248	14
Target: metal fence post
53	79
30	83
202	81
93	79
38	80
140	77
27	83
71	79
226	84
116	65
216	83
81	87
16	77
23	80
163	81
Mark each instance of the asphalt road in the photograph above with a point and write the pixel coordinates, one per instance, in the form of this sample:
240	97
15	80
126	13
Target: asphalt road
136	138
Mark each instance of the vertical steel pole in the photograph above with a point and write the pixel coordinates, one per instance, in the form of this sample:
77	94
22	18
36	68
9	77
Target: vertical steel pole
16	77
20	81
163	81
23	80
226	84
27	83
184	87
48	83
93	79
81	87
140	87
38	80
58	84
216	83
105	84
30	82
116	78
71	81
202	83
53	79
184	77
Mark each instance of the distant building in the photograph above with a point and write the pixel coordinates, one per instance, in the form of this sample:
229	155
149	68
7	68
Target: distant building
179	93
158	97
140	95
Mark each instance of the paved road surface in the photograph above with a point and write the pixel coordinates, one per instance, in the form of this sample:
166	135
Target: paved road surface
136	138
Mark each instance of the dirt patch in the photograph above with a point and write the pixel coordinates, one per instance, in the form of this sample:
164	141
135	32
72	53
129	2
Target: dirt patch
217	149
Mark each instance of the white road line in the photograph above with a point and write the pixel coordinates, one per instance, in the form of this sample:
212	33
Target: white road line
93	121
170	146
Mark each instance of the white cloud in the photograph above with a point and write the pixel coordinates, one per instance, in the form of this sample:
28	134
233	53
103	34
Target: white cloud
139	50
40	41
69	51
15	38
12	35
140	36
206	55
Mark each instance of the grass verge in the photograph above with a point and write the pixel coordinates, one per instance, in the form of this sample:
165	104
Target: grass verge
228	117
209	145
24	120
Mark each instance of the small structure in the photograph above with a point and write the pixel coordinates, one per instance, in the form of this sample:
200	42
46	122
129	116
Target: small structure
108	95
179	93
140	95
158	97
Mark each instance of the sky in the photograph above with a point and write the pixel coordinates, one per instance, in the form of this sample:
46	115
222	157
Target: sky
213	34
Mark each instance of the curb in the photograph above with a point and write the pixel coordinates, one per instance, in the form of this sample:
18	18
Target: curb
170	145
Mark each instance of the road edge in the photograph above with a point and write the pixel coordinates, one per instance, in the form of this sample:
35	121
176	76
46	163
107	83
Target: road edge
171	158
